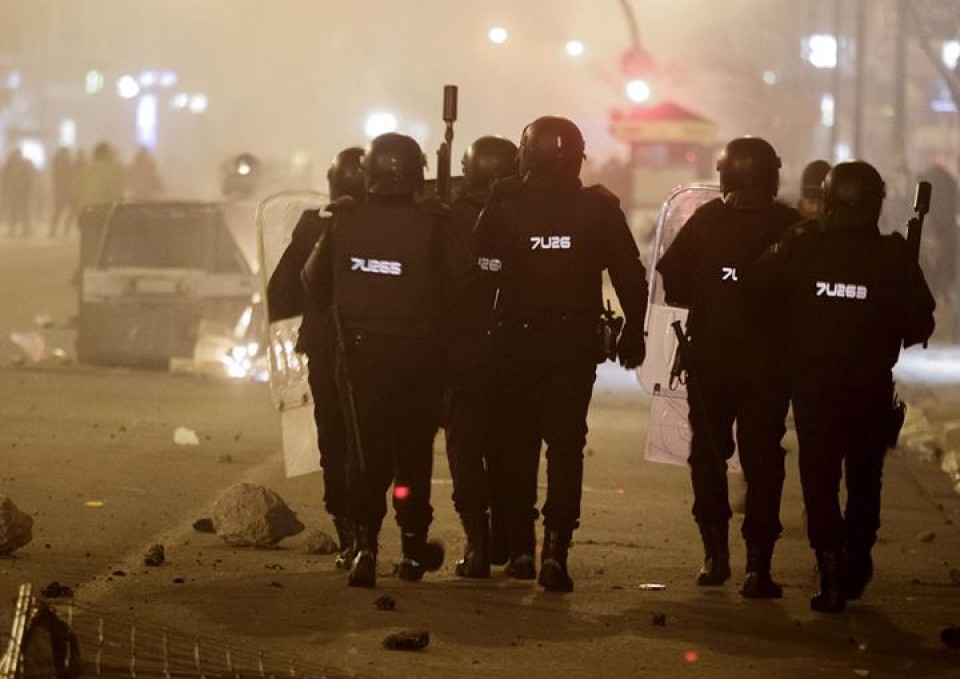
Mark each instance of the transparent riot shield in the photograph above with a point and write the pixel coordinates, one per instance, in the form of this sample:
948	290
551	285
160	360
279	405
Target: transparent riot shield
289	390
668	430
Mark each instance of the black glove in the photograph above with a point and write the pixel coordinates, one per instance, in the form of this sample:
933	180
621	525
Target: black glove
632	348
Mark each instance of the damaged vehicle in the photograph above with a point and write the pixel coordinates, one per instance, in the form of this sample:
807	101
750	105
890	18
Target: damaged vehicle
155	277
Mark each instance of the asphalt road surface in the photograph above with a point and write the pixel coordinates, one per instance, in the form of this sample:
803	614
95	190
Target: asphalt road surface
73	436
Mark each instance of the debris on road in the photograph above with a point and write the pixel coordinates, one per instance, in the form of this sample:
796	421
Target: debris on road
407	641
385	603
659	619
319	542
183	436
94	504
652	587
204	526
862	673
43	321
155	556
926	536
57	591
950	636
16	528
248	515
178	581
31	343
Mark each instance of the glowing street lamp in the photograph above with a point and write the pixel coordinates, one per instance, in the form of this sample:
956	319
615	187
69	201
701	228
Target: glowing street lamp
575	48
821	50
128	87
380	123
498	35
638	91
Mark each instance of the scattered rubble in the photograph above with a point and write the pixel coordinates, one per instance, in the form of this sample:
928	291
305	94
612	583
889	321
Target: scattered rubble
950	636
57	591
155	556
319	542
385	603
16	528
407	641
248	515
204	526
183	436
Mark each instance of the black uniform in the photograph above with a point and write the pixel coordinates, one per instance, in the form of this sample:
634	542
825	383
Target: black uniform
548	244
855	297
285	299
738	369
473	429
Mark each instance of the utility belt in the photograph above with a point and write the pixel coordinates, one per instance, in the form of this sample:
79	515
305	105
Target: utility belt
601	328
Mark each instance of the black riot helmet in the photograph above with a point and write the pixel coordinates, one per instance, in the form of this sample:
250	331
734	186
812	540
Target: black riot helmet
345	175
811	183
551	148
749	172
853	195
393	165
488	159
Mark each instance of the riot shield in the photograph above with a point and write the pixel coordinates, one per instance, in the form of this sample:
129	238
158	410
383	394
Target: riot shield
289	390
668	430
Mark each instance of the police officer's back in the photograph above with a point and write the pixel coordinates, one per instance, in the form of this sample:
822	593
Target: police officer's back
737	377
473	429
547	240
855	297
389	270
286	298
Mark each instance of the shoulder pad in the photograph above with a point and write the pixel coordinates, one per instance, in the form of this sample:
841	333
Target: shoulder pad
341	204
603	193
507	185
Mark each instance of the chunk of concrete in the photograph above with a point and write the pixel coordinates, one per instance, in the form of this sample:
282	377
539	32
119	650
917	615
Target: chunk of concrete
248	515
16	528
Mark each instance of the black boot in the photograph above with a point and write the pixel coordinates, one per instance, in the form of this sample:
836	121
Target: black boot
758	583
363	572
831	597
553	561
476	555
499	542
716	551
857	572
419	556
523	545
345	538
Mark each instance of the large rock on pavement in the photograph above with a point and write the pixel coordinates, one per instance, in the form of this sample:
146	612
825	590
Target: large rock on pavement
16	528
247	515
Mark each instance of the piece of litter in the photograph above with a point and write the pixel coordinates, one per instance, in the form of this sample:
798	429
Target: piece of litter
155	556
185	437
94	504
385	603
204	526
652	587
407	641
31	343
862	673
43	321
926	536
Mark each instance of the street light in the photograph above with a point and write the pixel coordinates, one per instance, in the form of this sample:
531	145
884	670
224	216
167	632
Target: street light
638	91
128	87
498	35
380	123
821	50
575	48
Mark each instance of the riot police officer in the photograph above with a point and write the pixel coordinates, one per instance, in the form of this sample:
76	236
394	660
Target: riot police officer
387	271
811	188
285	299
855	298
474	436
547	240
737	373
